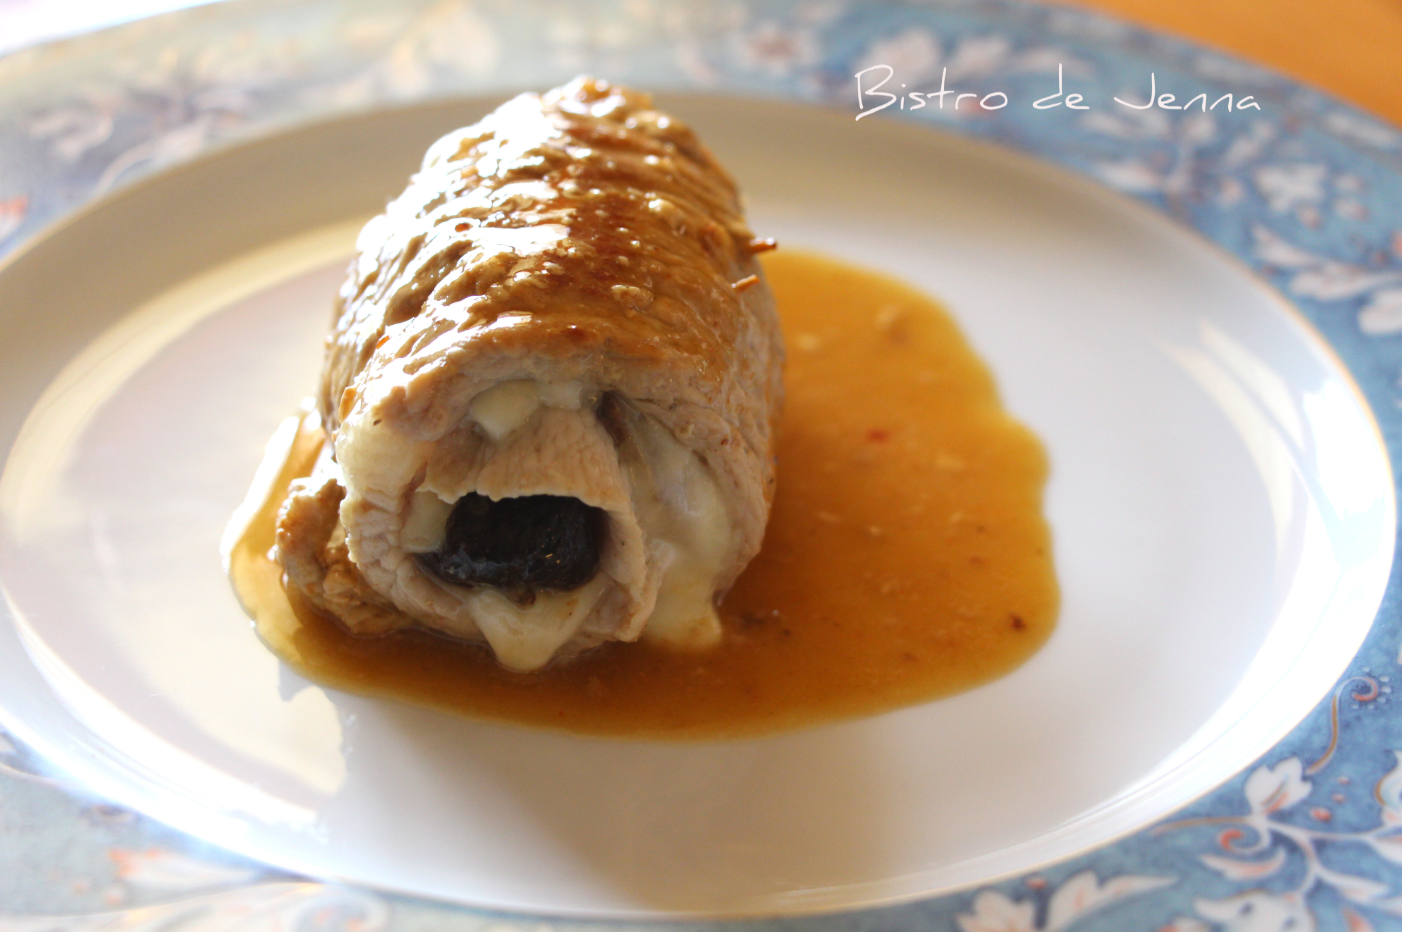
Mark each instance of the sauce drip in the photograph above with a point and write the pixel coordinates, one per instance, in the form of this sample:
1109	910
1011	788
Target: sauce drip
906	557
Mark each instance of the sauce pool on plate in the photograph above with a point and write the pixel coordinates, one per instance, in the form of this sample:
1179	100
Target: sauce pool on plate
906	556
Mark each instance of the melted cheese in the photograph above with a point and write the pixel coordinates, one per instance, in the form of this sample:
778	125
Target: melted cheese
425	524
525	637
505	406
508	405
688	531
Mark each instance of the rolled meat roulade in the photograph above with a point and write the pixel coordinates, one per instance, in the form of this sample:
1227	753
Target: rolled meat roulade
550	391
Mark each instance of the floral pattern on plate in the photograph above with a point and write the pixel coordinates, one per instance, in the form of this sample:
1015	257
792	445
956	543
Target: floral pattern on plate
1305	190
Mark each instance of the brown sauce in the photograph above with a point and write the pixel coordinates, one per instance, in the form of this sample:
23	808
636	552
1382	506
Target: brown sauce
906	557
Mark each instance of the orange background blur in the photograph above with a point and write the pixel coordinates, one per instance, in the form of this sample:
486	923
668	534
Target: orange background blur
1350	48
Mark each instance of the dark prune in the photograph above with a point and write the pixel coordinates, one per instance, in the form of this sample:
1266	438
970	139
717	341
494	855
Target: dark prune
519	544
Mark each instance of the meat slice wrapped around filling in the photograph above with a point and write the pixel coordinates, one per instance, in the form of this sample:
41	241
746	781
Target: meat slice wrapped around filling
550	391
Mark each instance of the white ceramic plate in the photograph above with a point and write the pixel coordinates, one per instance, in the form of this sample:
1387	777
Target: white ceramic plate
1221	502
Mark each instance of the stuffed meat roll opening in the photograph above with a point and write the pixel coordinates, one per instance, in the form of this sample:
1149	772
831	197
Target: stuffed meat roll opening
533	524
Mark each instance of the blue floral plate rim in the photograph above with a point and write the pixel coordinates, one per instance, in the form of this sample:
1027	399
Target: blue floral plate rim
1307	191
